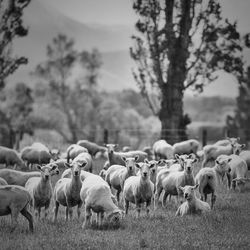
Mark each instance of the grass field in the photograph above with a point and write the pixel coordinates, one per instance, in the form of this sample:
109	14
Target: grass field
226	227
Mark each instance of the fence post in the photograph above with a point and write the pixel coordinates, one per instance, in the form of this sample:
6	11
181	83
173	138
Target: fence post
105	136
204	137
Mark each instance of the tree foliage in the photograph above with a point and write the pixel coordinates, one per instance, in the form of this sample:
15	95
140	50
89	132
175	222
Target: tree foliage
11	27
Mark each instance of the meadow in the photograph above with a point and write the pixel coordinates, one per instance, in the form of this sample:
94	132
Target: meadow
226	227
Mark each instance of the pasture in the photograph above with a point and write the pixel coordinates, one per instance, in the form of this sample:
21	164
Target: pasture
227	227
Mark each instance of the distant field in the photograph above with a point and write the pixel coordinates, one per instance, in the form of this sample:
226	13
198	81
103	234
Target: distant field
227	227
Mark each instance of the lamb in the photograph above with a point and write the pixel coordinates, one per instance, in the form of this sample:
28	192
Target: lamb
139	189
15	177
117	174
67	191
237	175
74	150
115	158
92	147
186	147
163	150
245	155
192	205
175	179
15	200
208	178
37	153
97	197
40	189
10	157
3	182
211	152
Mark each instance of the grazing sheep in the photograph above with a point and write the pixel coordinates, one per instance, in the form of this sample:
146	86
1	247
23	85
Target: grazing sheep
115	158
192	205
37	153
3	182
149	151
97	197
74	150
186	147
237	175
139	189
209	178
245	155
15	200
14	177
40	189
85	157
227	141
175	179
67	191
117	174
163	150
10	157
211	152
92	147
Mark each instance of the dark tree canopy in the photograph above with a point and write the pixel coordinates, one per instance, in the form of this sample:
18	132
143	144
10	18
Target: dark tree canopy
180	45
11	27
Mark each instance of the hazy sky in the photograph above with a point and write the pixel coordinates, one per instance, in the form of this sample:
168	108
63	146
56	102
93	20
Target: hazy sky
111	12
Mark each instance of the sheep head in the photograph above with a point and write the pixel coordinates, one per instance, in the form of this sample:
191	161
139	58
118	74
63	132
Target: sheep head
76	167
222	165
188	191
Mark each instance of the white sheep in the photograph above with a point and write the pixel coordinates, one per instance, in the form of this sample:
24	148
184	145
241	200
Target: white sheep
192	205
237	175
67	191
15	177
97	197
211	152
115	158
227	141
139	189
186	147
10	157
116	175
40	189
175	179
74	150
15	200
208	178
92	147
163	150
85	157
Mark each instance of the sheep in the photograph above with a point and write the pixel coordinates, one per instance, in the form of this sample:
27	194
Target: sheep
82	157
9	157
40	189
60	163
117	174
97	197
15	200
67	191
74	150
175	179
211	152
37	153
163	150
192	205
245	155
126	149
148	150
115	157
92	147
139	189
3	182
186	147
15	177
227	141
237	175
208	178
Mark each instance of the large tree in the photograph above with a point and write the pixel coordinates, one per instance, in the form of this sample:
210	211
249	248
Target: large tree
11	27
181	44
71	96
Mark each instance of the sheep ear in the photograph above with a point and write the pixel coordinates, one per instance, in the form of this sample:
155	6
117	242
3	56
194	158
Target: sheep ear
190	156
181	188
38	167
177	156
229	159
138	165
137	157
195	160
123	158
162	161
217	162
83	164
195	186
146	161
53	167
67	165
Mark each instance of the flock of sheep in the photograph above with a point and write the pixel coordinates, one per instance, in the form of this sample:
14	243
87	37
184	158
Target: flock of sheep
138	177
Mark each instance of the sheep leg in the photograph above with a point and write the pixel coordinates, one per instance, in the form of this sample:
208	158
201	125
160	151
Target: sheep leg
14	166
70	209
118	195
37	212
138	207
79	209
100	222
67	214
164	198
213	199
87	217
229	181
46	209
148	202
126	206
14	216
56	210
157	196
205	197
233	185
29	217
